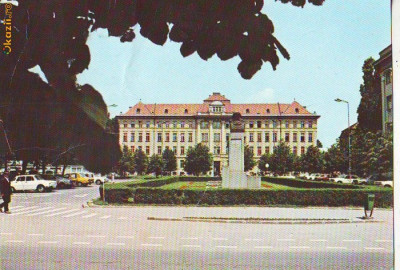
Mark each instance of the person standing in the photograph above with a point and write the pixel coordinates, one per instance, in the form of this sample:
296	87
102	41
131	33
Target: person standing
5	189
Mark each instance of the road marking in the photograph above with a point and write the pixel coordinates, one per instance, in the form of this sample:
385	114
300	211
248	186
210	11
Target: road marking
263	247
351	240
226	246
17	206
196	246
81	243
287	239
374	248
250	239
156	237
35	234
300	247
96	236
33	210
189	238
220	239
15	241
81	196
152	245
47	242
125	237
5	233
123	218
383	240
64	235
61	213
115	244
75	214
90	215
336	247
105	217
26	208
318	240
46	212
66	203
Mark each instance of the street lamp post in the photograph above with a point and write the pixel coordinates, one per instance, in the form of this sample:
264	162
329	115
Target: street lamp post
348	124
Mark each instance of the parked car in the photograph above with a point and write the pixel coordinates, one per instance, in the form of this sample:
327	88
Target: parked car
348	179
78	179
98	179
384	180
32	182
62	182
322	177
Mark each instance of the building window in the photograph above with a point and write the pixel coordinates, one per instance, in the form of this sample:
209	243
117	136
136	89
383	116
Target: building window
251	137
251	124
132	148
159	137
274	124
174	124
303	150
296	110
182	150
227	125
295	150
190	124
125	125
132	137
204	137
159	150
294	137
132	125
204	125
259	137
147	137
125	138
182	124
140	139
167	124
227	138
182	163
286	137
140	148
310	123
302	137
148	124
259	151
186	111
275	137
217	150
267	136
294	124
217	125
137	111
310	139
174	137
159	125
389	103
140	124
247	111
268	111
251	148
167	137
190	137
166	111
174	150
147	150
217	137
302	124
182	137
266	149
258	124
287	124
388	77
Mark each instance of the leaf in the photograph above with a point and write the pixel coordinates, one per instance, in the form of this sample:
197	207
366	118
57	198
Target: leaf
177	34
187	48
281	49
128	36
248	68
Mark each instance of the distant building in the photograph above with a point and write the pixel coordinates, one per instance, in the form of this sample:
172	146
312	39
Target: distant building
155	127
383	67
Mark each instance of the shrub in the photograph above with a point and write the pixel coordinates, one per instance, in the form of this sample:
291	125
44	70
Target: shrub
307	184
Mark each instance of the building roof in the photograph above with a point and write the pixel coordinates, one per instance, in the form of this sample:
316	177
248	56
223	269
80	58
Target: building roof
254	109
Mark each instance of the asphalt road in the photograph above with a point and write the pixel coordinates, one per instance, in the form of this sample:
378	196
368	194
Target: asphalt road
54	231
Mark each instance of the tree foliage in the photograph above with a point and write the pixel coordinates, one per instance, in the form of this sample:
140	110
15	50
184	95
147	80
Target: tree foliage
127	161
264	159
335	159
249	161
155	165
198	160
141	161
281	160
169	160
312	160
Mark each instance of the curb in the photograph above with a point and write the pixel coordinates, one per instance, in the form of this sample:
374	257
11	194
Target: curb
269	221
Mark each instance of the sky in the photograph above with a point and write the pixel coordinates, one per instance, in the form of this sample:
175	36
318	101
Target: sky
327	44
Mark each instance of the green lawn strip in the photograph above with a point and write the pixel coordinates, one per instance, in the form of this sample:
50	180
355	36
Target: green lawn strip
252	218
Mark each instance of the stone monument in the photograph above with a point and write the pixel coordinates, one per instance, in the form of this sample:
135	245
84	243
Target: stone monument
233	175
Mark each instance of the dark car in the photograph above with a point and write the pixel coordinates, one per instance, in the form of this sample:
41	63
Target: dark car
61	181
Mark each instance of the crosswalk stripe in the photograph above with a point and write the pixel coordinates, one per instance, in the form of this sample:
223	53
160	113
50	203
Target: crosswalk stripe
105	217
81	196
46	212
32	210
90	215
16	207
75	214
61	213
26	208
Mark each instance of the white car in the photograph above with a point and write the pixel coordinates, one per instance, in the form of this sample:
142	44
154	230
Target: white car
348	179
32	182
388	183
98	179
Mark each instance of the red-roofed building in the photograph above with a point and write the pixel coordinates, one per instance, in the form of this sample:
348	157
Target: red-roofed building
155	127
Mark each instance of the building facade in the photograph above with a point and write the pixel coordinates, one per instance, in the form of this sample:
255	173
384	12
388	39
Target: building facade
383	67
155	127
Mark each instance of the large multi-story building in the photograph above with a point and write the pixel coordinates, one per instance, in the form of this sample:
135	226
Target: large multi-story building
155	127
383	67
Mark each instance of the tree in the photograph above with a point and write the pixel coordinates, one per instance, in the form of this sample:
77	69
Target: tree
141	161
169	161
370	108
127	161
155	165
281	160
263	161
312	160
319	144
335	159
198	160
249	161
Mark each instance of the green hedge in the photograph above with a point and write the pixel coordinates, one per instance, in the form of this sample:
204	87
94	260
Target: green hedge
198	178
297	183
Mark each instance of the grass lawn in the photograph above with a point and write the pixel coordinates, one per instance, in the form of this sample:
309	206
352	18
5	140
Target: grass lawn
203	185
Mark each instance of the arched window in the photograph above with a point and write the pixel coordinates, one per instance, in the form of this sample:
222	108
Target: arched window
247	111
186	111
297	110
166	111
268	111
138	111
